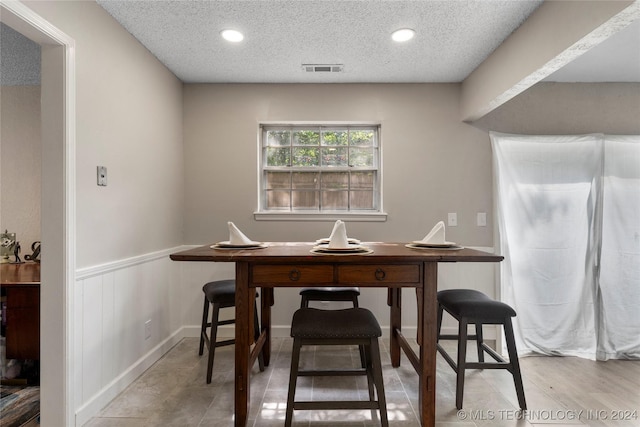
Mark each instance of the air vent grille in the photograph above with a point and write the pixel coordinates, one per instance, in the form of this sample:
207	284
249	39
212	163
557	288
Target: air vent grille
323	68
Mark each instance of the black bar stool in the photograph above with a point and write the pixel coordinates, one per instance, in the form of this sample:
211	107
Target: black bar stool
221	294
352	326
469	306
332	294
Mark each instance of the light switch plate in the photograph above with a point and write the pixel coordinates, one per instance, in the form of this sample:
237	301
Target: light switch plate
102	176
452	219
482	219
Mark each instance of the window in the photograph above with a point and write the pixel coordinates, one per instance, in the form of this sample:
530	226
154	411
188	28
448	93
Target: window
320	170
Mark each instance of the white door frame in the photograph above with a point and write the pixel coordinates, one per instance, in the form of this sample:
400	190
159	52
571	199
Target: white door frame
57	368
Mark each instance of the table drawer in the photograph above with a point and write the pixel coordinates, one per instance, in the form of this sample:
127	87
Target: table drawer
292	274
375	274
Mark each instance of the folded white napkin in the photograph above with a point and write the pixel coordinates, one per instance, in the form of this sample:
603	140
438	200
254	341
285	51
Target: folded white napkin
436	235
335	227
338	238
236	237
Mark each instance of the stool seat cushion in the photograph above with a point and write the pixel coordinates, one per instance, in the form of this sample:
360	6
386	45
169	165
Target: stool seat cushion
347	323
473	304
330	292
221	291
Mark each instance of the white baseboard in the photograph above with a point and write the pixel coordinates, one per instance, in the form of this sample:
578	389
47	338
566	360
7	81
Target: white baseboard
95	404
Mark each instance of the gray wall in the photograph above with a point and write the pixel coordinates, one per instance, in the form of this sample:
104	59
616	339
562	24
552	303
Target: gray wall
129	119
432	162
569	108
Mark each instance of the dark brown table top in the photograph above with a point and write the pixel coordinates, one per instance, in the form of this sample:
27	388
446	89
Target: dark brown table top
299	252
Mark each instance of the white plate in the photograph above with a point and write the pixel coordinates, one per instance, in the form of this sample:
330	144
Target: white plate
438	248
351	248
326	251
227	245
326	241
434	245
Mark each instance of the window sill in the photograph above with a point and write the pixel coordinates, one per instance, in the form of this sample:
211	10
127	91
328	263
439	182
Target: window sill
325	216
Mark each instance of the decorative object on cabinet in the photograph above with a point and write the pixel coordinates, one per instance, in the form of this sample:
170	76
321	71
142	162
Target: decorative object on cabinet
7	243
35	249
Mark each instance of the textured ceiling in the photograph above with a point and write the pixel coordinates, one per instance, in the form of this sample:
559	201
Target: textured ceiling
453	38
19	58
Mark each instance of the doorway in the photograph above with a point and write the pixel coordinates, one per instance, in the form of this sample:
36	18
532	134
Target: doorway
57	210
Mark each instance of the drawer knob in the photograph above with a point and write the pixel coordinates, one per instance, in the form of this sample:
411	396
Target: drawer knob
380	274
294	275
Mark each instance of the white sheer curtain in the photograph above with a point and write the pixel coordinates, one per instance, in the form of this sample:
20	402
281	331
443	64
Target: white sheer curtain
619	291
547	190
568	210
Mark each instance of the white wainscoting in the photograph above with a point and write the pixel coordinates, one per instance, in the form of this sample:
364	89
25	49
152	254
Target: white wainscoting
115	301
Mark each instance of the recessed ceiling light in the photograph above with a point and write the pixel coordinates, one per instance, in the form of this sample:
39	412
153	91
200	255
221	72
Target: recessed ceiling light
232	35
403	35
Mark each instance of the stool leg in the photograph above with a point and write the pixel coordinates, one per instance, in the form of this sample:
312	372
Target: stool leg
363	360
256	335
461	366
376	366
203	329
293	377
515	364
479	342
368	363
213	336
440	312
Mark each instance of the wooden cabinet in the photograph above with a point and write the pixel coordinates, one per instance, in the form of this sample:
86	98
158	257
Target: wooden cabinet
21	290
23	322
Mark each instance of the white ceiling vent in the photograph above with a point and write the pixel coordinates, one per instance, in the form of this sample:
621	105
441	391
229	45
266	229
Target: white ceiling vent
323	68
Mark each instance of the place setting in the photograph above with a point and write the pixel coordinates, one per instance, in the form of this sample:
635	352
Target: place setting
339	244
435	239
237	240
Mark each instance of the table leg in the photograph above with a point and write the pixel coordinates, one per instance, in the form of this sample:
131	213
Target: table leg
394	300
428	305
265	321
244	324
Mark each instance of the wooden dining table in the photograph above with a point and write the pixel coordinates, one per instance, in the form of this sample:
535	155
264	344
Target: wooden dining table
292	264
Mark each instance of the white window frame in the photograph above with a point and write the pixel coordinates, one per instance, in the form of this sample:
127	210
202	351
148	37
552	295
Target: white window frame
376	214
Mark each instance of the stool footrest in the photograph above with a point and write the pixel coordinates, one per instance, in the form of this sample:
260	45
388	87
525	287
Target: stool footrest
336	404
332	373
487	365
225	342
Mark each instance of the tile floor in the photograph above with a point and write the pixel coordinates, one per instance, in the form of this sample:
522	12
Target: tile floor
561	391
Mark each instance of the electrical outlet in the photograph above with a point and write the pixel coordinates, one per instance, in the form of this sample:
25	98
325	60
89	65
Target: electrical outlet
452	219
102	176
147	329
482	219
